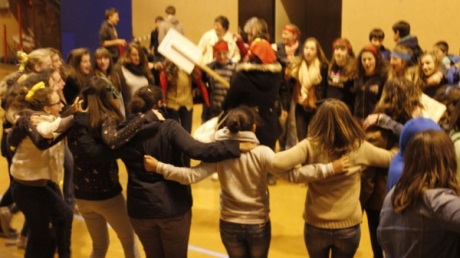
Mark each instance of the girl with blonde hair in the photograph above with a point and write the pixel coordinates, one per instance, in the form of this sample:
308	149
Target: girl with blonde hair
430	75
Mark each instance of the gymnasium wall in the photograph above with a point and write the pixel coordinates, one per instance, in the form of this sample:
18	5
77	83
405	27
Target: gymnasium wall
430	20
427	18
197	16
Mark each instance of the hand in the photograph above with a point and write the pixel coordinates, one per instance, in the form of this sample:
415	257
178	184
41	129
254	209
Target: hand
370	120
150	163
247	146
374	89
77	106
341	165
121	42
283	117
158	114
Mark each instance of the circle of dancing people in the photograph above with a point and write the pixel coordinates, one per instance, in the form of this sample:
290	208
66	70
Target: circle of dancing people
352	127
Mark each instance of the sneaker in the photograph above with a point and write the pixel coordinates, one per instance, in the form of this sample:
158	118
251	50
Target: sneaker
21	242
5	219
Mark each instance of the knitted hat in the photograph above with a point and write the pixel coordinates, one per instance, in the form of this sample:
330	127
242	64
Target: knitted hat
220	45
263	50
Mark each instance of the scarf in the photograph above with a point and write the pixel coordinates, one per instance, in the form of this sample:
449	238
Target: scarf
308	77
135	69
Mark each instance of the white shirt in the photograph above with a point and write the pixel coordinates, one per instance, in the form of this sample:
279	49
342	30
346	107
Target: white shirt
210	38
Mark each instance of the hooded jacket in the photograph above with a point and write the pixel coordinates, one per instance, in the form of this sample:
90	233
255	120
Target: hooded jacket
411	42
152	196
257	85
430	229
411	128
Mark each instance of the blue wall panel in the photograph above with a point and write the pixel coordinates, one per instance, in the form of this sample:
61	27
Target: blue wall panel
81	20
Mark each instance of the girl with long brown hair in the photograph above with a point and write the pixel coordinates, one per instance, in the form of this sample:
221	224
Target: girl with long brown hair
420	216
342	72
332	206
309	71
134	72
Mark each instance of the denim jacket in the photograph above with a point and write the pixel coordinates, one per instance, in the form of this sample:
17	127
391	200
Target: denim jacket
428	230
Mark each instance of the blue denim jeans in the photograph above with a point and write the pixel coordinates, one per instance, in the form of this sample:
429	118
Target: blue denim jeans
246	240
343	242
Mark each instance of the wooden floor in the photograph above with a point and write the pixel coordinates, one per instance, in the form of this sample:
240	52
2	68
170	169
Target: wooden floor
286	201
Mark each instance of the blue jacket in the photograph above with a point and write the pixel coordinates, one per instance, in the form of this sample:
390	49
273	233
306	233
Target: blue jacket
430	229
411	128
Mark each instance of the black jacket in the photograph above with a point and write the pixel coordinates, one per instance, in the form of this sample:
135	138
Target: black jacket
149	194
258	86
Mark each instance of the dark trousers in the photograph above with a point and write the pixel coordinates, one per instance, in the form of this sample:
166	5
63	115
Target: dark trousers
184	117
373	219
302	119
42	206
164	238
68	187
343	242
246	240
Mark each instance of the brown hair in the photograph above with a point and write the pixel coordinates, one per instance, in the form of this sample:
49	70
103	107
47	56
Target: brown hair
98	99
400	97
334	130
437	66
144	64
295	65
380	64
405	63
449	96
145	98
349	69
241	118
437	169
73	65
16	94
109	12
111	74
170	10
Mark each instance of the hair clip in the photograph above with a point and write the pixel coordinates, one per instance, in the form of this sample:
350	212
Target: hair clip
23	58
35	88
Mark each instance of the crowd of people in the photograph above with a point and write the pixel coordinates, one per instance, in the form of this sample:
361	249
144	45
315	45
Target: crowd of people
375	132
